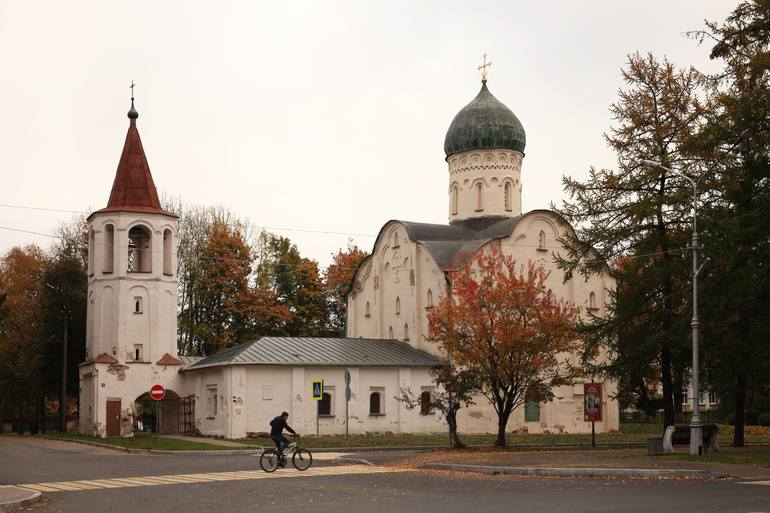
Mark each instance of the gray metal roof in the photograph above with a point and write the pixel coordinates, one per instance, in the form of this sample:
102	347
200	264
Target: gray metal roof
320	351
188	360
445	242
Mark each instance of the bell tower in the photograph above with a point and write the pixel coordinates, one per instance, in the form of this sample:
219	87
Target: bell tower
132	296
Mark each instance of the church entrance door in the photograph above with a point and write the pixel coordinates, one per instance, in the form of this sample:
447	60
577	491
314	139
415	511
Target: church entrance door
113	417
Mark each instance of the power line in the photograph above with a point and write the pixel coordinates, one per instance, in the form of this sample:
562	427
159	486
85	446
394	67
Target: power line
269	228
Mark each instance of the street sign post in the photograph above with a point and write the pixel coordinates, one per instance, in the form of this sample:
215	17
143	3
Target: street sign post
157	393
318	395
592	407
347	400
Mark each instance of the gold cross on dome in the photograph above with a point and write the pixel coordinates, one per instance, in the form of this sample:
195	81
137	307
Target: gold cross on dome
483	69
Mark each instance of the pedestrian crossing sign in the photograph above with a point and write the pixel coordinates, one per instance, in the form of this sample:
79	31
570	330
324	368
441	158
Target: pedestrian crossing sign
318	389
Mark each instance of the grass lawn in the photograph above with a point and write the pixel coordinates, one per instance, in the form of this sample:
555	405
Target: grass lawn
631	433
145	442
758	455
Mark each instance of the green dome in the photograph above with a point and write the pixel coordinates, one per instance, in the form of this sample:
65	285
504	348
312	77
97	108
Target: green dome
485	123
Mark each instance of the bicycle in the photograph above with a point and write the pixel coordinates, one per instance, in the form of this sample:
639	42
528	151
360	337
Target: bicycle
271	459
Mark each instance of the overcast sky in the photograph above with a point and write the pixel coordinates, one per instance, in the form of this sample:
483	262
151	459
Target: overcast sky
309	115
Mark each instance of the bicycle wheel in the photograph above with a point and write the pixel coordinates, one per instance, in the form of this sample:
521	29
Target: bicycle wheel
302	459
269	460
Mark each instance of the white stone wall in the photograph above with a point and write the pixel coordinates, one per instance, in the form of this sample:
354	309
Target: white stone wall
252	395
489	171
399	274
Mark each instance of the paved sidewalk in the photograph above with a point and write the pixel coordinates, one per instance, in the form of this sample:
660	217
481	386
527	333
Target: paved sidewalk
569	463
12	497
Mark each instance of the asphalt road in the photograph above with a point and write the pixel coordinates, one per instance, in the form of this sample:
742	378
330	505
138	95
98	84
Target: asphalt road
27	461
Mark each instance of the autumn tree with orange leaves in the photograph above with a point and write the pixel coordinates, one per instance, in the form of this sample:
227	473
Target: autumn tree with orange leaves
337	281
503	323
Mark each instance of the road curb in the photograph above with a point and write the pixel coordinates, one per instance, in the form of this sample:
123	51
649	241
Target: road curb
578	472
26	498
346	459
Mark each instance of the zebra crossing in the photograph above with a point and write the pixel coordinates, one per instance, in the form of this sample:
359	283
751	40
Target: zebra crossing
208	477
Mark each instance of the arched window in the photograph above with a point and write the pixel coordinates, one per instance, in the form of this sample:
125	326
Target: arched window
406	331
368	312
325	404
429	300
455	193
479	205
167	262
91	246
138	305
508	196
395	240
592	301
139	250
398	306
390	332
375	403
426	398
541	241
109	248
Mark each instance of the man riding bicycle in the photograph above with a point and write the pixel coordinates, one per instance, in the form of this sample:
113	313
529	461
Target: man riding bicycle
277	425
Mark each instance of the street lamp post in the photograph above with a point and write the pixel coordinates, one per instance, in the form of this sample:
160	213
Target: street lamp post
696	427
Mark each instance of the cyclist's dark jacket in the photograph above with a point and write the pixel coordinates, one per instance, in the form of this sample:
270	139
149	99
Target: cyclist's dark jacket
277	425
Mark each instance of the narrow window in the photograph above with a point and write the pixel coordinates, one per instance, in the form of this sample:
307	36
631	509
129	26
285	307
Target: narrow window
685	397
167	263
139	250
541	241
109	248
532	412
395	240
479	205
712	397
325	405
398	306
390	332
213	402
375	403
426	399
138	305
592	301
429	300
508	196
406	332
91	246
455	193
138	353
368	310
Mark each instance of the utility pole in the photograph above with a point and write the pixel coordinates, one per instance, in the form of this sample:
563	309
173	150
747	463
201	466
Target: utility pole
63	392
63	403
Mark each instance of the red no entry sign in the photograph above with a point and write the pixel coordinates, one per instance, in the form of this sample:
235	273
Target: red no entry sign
157	392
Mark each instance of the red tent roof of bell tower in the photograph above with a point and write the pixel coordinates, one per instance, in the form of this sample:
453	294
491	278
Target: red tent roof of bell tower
133	189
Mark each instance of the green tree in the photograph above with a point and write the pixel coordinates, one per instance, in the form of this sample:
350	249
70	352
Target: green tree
737	293
638	212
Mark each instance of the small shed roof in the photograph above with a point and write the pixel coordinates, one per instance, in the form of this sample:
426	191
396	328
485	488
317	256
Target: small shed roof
320	351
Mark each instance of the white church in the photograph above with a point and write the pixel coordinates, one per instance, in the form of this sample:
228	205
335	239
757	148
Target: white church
131	341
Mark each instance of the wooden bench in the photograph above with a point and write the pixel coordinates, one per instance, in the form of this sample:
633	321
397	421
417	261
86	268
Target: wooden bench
680	435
